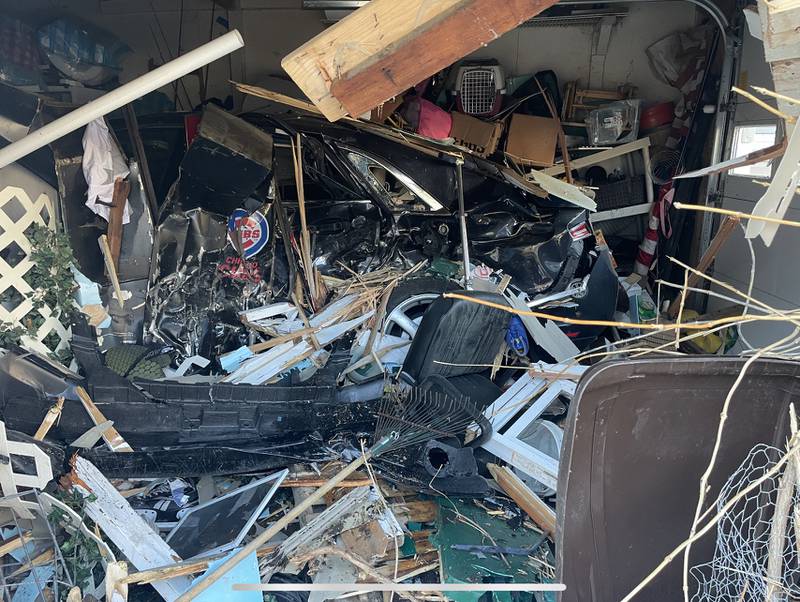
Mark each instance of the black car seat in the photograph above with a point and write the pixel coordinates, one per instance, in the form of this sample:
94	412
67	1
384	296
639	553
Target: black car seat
455	342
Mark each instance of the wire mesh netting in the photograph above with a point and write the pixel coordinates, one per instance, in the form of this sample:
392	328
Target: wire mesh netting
739	568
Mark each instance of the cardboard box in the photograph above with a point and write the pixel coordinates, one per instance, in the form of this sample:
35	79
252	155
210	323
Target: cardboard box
532	140
481	137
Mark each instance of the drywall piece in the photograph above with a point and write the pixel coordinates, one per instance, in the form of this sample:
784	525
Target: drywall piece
563	190
223	523
331	569
116	589
358	507
376	538
244	572
10	480
388	46
167	73
753	21
125	528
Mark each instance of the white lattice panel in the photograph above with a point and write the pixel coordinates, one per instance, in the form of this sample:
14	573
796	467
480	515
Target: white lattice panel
18	212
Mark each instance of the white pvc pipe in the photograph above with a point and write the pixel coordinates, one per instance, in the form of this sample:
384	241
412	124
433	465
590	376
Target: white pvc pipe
166	74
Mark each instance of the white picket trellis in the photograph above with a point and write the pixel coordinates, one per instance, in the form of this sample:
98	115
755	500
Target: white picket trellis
17	214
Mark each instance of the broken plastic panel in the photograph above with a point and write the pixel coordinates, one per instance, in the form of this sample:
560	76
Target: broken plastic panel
222	523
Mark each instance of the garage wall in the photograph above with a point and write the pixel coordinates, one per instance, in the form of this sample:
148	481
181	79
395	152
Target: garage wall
567	50
272	28
775	281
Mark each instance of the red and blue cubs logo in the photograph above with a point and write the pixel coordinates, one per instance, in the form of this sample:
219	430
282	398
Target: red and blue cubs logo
252	229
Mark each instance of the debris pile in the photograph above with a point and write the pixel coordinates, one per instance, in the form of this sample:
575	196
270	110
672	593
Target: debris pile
314	353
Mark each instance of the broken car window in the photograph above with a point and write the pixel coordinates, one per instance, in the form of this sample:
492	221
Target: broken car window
397	189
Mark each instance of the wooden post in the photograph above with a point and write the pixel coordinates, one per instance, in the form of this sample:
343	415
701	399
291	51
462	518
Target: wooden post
723	234
118	200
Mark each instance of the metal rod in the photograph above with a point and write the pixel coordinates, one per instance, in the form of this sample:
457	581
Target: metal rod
462	223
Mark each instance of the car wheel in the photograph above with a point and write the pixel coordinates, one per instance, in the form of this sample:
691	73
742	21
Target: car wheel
409	301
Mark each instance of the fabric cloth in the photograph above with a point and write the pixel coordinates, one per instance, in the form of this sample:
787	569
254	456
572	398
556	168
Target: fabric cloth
102	164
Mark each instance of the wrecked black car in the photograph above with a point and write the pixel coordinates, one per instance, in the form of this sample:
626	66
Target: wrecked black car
369	203
254	202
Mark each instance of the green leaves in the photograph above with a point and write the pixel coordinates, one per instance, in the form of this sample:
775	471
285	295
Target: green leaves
52	282
51	276
81	553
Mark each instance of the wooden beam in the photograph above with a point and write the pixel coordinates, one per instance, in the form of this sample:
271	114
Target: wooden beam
532	504
115	217
780	21
111	269
388	46
724	232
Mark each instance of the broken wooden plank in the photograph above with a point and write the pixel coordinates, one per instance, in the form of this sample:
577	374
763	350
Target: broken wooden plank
111	436
724	232
388	46
15	543
418	511
115	216
124	527
49	419
111	269
320	482
532	504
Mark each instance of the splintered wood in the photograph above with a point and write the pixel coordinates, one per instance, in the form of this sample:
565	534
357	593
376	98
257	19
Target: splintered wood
388	46
297	338
111	436
780	20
